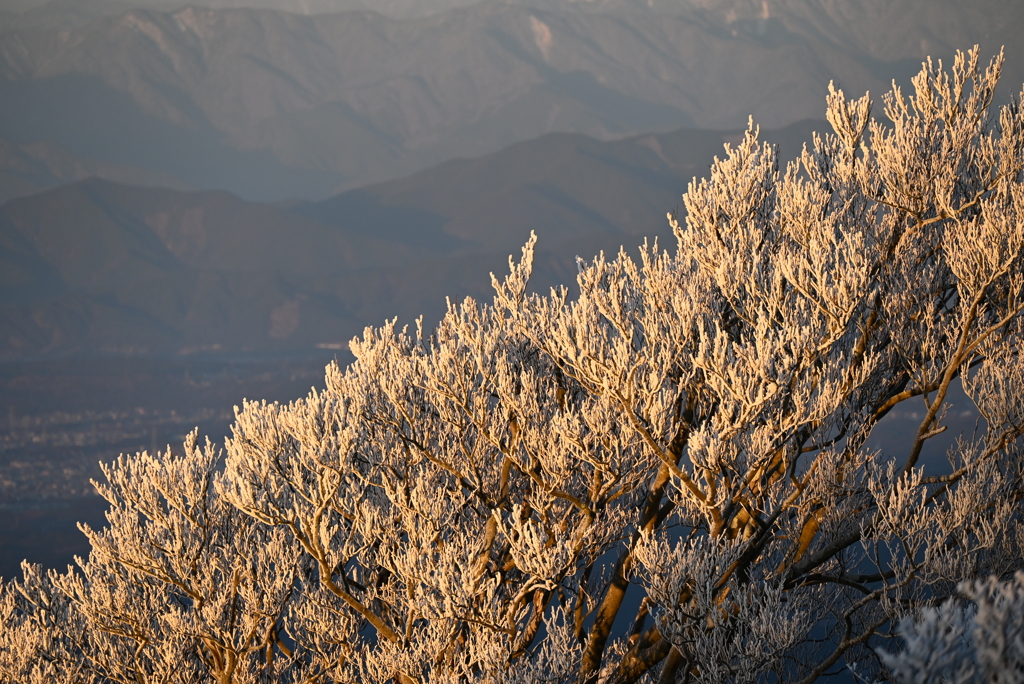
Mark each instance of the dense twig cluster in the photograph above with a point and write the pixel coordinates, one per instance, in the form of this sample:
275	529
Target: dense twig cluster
980	641
475	504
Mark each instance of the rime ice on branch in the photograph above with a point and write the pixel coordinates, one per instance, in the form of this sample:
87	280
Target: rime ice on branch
473	504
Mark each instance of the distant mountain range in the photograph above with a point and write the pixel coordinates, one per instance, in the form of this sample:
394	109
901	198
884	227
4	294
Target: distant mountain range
96	267
272	105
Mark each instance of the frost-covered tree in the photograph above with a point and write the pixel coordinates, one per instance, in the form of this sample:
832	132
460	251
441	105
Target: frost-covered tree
661	477
978	642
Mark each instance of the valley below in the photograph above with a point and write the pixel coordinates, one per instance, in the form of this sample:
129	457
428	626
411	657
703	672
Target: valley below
62	418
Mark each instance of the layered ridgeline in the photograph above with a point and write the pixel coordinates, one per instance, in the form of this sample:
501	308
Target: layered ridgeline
96	267
21	14
272	105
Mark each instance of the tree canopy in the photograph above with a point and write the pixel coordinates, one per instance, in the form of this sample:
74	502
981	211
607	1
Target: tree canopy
663	475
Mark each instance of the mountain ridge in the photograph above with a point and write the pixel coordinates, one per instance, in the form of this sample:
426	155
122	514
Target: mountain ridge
30	168
100	268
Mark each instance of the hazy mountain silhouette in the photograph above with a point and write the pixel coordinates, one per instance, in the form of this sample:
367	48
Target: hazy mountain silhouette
96	267
30	168
271	104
